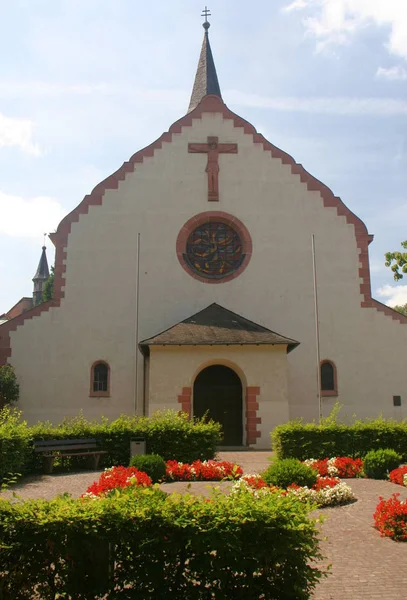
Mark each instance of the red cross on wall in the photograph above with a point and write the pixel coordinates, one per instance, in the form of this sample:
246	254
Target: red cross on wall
213	149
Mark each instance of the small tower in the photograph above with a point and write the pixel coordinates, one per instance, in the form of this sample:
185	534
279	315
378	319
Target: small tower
40	277
206	79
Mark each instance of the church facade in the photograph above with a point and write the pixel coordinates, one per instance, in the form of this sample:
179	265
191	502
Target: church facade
185	281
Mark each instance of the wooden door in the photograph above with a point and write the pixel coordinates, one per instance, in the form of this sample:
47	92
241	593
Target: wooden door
218	393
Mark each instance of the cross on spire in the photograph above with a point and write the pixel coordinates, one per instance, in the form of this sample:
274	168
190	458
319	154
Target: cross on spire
206	13
206	80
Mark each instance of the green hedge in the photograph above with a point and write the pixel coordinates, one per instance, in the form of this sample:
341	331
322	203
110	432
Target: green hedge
169	434
148	545
15	443
299	440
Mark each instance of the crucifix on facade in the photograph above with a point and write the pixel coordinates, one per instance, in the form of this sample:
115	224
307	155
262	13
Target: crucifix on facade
213	149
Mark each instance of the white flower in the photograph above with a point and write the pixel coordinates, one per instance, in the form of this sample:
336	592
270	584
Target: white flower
332	470
405	479
341	493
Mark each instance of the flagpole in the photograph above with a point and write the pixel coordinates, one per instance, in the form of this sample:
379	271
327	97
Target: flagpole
136	350
314	265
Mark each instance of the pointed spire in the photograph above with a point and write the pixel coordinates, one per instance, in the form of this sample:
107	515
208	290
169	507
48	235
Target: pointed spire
206	79
40	277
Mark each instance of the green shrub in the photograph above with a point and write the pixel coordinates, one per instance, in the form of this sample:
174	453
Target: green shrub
378	463
15	443
283	473
152	464
169	434
308	440
146	544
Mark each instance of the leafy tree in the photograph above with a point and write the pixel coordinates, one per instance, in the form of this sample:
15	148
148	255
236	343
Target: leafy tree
9	388
397	261
48	289
401	309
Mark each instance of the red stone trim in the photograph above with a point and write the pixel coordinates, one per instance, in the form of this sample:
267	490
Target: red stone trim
185	400
99	394
222	217
209	104
252	420
333	392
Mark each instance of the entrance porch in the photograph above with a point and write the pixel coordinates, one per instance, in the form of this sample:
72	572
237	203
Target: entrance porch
219	364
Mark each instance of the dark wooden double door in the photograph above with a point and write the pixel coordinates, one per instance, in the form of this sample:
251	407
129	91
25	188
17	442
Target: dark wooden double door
218	393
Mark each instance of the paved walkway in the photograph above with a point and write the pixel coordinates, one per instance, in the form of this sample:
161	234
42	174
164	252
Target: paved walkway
364	565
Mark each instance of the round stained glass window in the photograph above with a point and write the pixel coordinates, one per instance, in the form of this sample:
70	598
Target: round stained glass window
214	250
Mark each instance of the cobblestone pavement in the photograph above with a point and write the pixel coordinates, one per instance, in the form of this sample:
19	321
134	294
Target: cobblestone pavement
364	565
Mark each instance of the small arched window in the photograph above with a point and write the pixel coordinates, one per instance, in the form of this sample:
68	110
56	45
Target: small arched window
100	379
329	382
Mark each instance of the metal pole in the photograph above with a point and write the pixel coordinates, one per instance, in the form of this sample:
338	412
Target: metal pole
136	350
314	265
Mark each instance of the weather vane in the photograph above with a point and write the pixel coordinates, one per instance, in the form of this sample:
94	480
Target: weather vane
206	13
44	239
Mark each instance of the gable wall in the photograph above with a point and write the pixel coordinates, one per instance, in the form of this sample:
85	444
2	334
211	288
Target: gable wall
96	318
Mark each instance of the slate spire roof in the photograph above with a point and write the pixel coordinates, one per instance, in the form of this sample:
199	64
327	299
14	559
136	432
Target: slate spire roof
216	325
42	269
206	79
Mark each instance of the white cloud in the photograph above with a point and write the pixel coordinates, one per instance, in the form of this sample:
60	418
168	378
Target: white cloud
295	5
18	132
393	73
335	21
334	106
29	217
396	294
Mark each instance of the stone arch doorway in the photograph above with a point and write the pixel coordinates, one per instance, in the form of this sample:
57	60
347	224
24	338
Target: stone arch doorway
218	392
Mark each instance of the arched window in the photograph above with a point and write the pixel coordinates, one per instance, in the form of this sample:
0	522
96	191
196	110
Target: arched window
100	379
329	382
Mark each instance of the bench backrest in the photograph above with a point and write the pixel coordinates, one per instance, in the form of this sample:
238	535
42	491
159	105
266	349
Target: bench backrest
67	444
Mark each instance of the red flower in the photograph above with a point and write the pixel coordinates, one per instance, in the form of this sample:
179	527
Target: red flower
396	476
390	518
118	478
255	481
348	467
321	466
325	482
210	470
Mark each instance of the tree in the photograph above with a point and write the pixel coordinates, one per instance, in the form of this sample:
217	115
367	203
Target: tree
397	261
401	309
48	289
9	388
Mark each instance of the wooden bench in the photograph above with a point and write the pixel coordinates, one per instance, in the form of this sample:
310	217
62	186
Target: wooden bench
52	449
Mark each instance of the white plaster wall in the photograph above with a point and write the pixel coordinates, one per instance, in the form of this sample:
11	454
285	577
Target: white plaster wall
175	367
53	352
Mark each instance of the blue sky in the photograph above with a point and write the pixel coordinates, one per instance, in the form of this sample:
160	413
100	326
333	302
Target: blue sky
84	84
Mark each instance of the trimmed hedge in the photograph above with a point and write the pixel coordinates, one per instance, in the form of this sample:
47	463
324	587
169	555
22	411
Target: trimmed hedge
145	544
302	441
15	443
170	434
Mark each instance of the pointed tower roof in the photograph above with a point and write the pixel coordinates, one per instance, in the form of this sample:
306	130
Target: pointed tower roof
206	79
42	269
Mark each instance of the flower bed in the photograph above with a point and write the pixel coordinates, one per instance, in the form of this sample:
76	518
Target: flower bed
338	466
390	518
328	491
399	476
208	470
118	478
